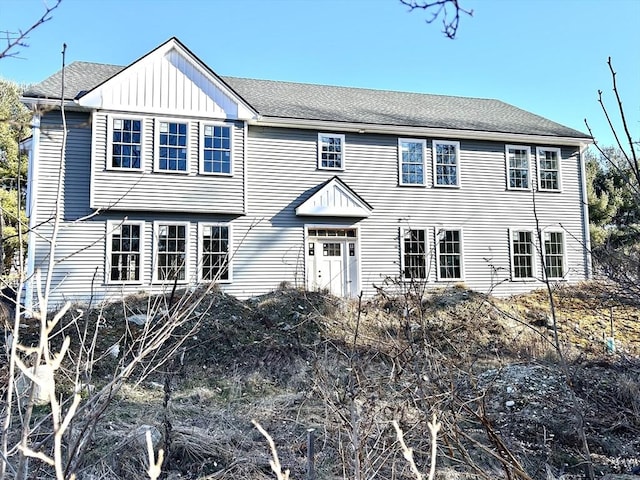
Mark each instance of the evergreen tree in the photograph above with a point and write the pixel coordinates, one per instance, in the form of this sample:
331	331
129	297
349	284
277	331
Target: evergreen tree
14	127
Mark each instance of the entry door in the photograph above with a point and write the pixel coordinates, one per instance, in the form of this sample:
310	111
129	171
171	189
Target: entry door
332	261
329	270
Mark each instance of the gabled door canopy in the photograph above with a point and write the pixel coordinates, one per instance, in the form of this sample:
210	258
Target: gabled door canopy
334	198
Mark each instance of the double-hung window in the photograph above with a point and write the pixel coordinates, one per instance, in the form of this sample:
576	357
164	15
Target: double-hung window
522	254
449	255
215	151
125	143
411	161
172	146
548	168
446	163
214	253
171	243
330	151
124	252
414	254
554	262
518	167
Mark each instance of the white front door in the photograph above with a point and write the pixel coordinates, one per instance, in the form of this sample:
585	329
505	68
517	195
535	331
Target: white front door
333	262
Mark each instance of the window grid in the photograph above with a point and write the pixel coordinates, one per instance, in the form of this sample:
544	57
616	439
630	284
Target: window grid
518	168
172	142
522	247
217	149
125	253
415	254
411	162
446	159
549	169
450	255
126	139
215	253
331	151
172	252
554	254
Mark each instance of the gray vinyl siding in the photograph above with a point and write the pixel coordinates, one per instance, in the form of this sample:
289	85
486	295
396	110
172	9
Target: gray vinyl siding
163	191
268	242
283	171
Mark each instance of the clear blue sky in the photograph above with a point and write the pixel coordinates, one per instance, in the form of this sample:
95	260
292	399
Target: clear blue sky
546	56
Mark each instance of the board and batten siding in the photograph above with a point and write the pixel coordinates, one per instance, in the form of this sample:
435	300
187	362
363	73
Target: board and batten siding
147	190
283	171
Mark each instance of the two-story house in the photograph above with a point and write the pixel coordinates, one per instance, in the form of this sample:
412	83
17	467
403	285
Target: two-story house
173	174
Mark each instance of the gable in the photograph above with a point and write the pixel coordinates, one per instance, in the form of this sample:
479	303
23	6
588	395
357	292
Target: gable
169	80
334	198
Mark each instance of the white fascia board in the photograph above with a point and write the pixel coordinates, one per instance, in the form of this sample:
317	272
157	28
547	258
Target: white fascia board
327	211
404	130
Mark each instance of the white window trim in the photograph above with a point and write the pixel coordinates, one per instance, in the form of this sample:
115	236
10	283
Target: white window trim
156	145
156	226
109	153
201	169
319	148
437	243
508	166
427	253
434	157
201	226
424	161
549	149
112	225
564	253
534	254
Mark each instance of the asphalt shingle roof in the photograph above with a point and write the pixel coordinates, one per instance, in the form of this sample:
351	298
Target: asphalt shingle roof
342	104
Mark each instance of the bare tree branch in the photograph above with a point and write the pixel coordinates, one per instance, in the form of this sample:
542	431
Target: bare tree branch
450	20
18	40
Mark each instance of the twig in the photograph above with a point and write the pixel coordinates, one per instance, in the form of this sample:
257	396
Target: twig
275	462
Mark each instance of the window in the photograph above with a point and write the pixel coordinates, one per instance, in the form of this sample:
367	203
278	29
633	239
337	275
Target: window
330	151
518	171
411	153
126	143
124	251
446	161
171	146
522	254
171	252
216	149
449	255
214	248
549	168
414	254
554	254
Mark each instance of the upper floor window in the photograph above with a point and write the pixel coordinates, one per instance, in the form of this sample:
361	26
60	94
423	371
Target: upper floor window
171	252
414	254
124	255
216	149
214	252
411	153
449	255
330	151
518	167
446	161
554	254
171	146
522	254
548	168
126	143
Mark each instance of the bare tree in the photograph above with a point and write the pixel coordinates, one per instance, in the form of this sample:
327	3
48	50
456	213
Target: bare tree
449	10
16	40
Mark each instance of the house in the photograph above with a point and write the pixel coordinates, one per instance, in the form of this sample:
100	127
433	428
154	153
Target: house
173	174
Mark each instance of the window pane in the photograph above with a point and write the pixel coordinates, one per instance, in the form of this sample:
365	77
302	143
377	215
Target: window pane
415	254
125	253
217	149
126	146
171	247
215	253
172	154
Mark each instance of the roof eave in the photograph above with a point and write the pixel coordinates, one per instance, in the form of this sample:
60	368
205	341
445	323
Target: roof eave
408	130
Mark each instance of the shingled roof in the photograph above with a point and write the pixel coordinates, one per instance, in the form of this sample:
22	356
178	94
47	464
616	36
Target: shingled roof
342	104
